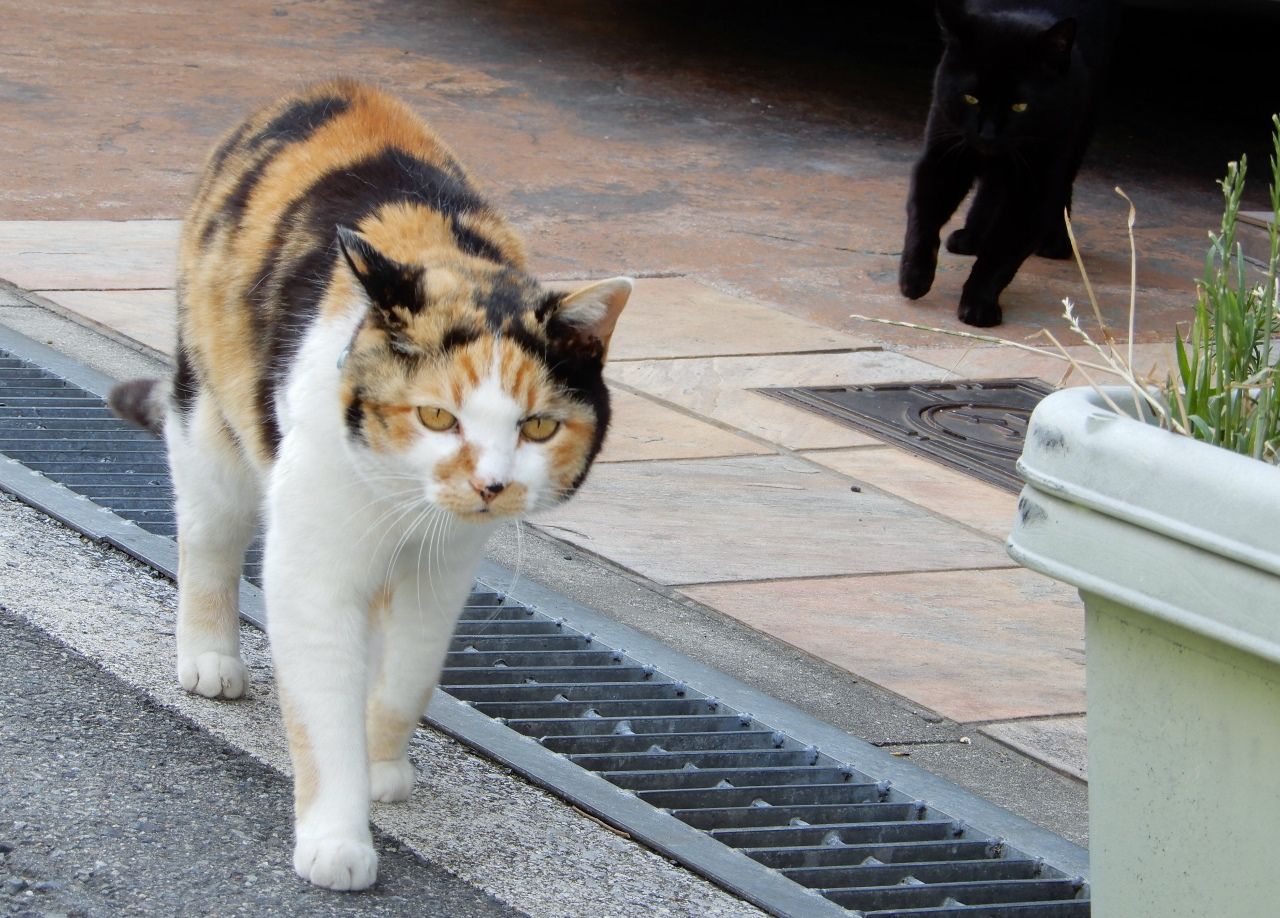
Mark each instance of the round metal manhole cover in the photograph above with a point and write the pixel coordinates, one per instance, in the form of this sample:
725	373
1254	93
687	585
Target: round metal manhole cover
998	430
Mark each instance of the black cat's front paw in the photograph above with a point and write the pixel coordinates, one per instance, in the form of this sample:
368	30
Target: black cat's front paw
979	312
915	275
963	242
1056	247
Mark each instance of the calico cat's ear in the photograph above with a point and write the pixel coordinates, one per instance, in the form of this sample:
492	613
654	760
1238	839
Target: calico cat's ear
1057	42
389	283
953	19
593	311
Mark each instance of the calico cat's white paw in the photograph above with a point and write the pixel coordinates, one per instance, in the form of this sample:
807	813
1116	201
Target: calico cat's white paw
391	782
213	675
335	862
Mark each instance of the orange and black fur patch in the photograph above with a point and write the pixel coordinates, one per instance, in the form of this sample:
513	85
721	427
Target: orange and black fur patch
342	171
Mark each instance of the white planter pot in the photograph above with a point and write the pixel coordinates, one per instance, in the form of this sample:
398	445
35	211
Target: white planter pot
1175	548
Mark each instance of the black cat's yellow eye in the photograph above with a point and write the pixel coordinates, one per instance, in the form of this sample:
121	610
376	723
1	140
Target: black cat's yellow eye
437	419
539	429
1019	107
970	100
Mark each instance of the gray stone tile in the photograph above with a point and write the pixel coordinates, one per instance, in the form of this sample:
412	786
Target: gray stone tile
719	388
89	254
975	645
1059	742
753	518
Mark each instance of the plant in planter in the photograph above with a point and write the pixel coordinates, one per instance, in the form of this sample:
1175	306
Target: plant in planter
1161	504
1174	545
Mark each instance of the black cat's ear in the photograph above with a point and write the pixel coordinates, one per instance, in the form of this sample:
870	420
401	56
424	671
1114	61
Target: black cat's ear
389	283
953	18
1057	42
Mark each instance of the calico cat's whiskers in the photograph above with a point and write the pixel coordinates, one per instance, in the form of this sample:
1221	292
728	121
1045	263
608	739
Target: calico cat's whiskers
387	520
424	511
519	566
434	540
398	497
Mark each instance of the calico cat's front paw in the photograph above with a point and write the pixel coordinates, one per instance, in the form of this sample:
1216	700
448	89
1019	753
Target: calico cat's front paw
336	862
915	274
979	312
213	675
391	782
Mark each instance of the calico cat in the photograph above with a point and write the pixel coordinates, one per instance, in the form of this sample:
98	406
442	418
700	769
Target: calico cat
1014	104
363	355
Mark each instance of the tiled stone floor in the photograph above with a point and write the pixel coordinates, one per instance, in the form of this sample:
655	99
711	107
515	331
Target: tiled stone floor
738	501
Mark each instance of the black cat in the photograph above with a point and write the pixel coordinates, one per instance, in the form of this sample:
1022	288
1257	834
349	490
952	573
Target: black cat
1014	100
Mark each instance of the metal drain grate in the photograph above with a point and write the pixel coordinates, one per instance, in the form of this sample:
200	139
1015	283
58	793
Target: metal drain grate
976	426
671	759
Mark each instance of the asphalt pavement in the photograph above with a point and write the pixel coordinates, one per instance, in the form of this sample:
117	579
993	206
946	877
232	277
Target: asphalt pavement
122	795
114	805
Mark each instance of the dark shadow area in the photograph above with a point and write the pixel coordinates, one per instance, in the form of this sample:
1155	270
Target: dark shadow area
1190	89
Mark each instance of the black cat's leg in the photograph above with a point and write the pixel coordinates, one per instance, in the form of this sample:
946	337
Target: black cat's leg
1056	243
986	205
939	183
1012	238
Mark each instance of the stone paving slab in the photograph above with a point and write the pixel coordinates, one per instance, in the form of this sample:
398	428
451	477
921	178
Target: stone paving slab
1060	742
971	645
642	429
89	254
679	317
755	518
995	361
719	388
926	483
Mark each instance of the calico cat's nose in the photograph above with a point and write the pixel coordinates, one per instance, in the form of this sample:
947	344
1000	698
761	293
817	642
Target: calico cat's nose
488	490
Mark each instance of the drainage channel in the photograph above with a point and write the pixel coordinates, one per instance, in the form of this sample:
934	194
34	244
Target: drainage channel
785	811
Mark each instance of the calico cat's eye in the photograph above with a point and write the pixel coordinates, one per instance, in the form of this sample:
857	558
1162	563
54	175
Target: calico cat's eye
1019	107
437	419
970	100
539	429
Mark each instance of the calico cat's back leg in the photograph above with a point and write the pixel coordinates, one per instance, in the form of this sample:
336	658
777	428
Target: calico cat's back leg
217	501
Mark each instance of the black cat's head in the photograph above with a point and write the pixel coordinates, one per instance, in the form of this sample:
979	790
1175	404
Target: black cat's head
1006	78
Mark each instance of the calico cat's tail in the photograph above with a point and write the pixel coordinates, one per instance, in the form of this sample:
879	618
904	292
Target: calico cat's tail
141	402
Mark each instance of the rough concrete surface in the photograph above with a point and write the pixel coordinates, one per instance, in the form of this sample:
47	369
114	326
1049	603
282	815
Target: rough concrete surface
501	839
114	805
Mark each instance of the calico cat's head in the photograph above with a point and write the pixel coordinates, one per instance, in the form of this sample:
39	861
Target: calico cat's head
1006	78
476	382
